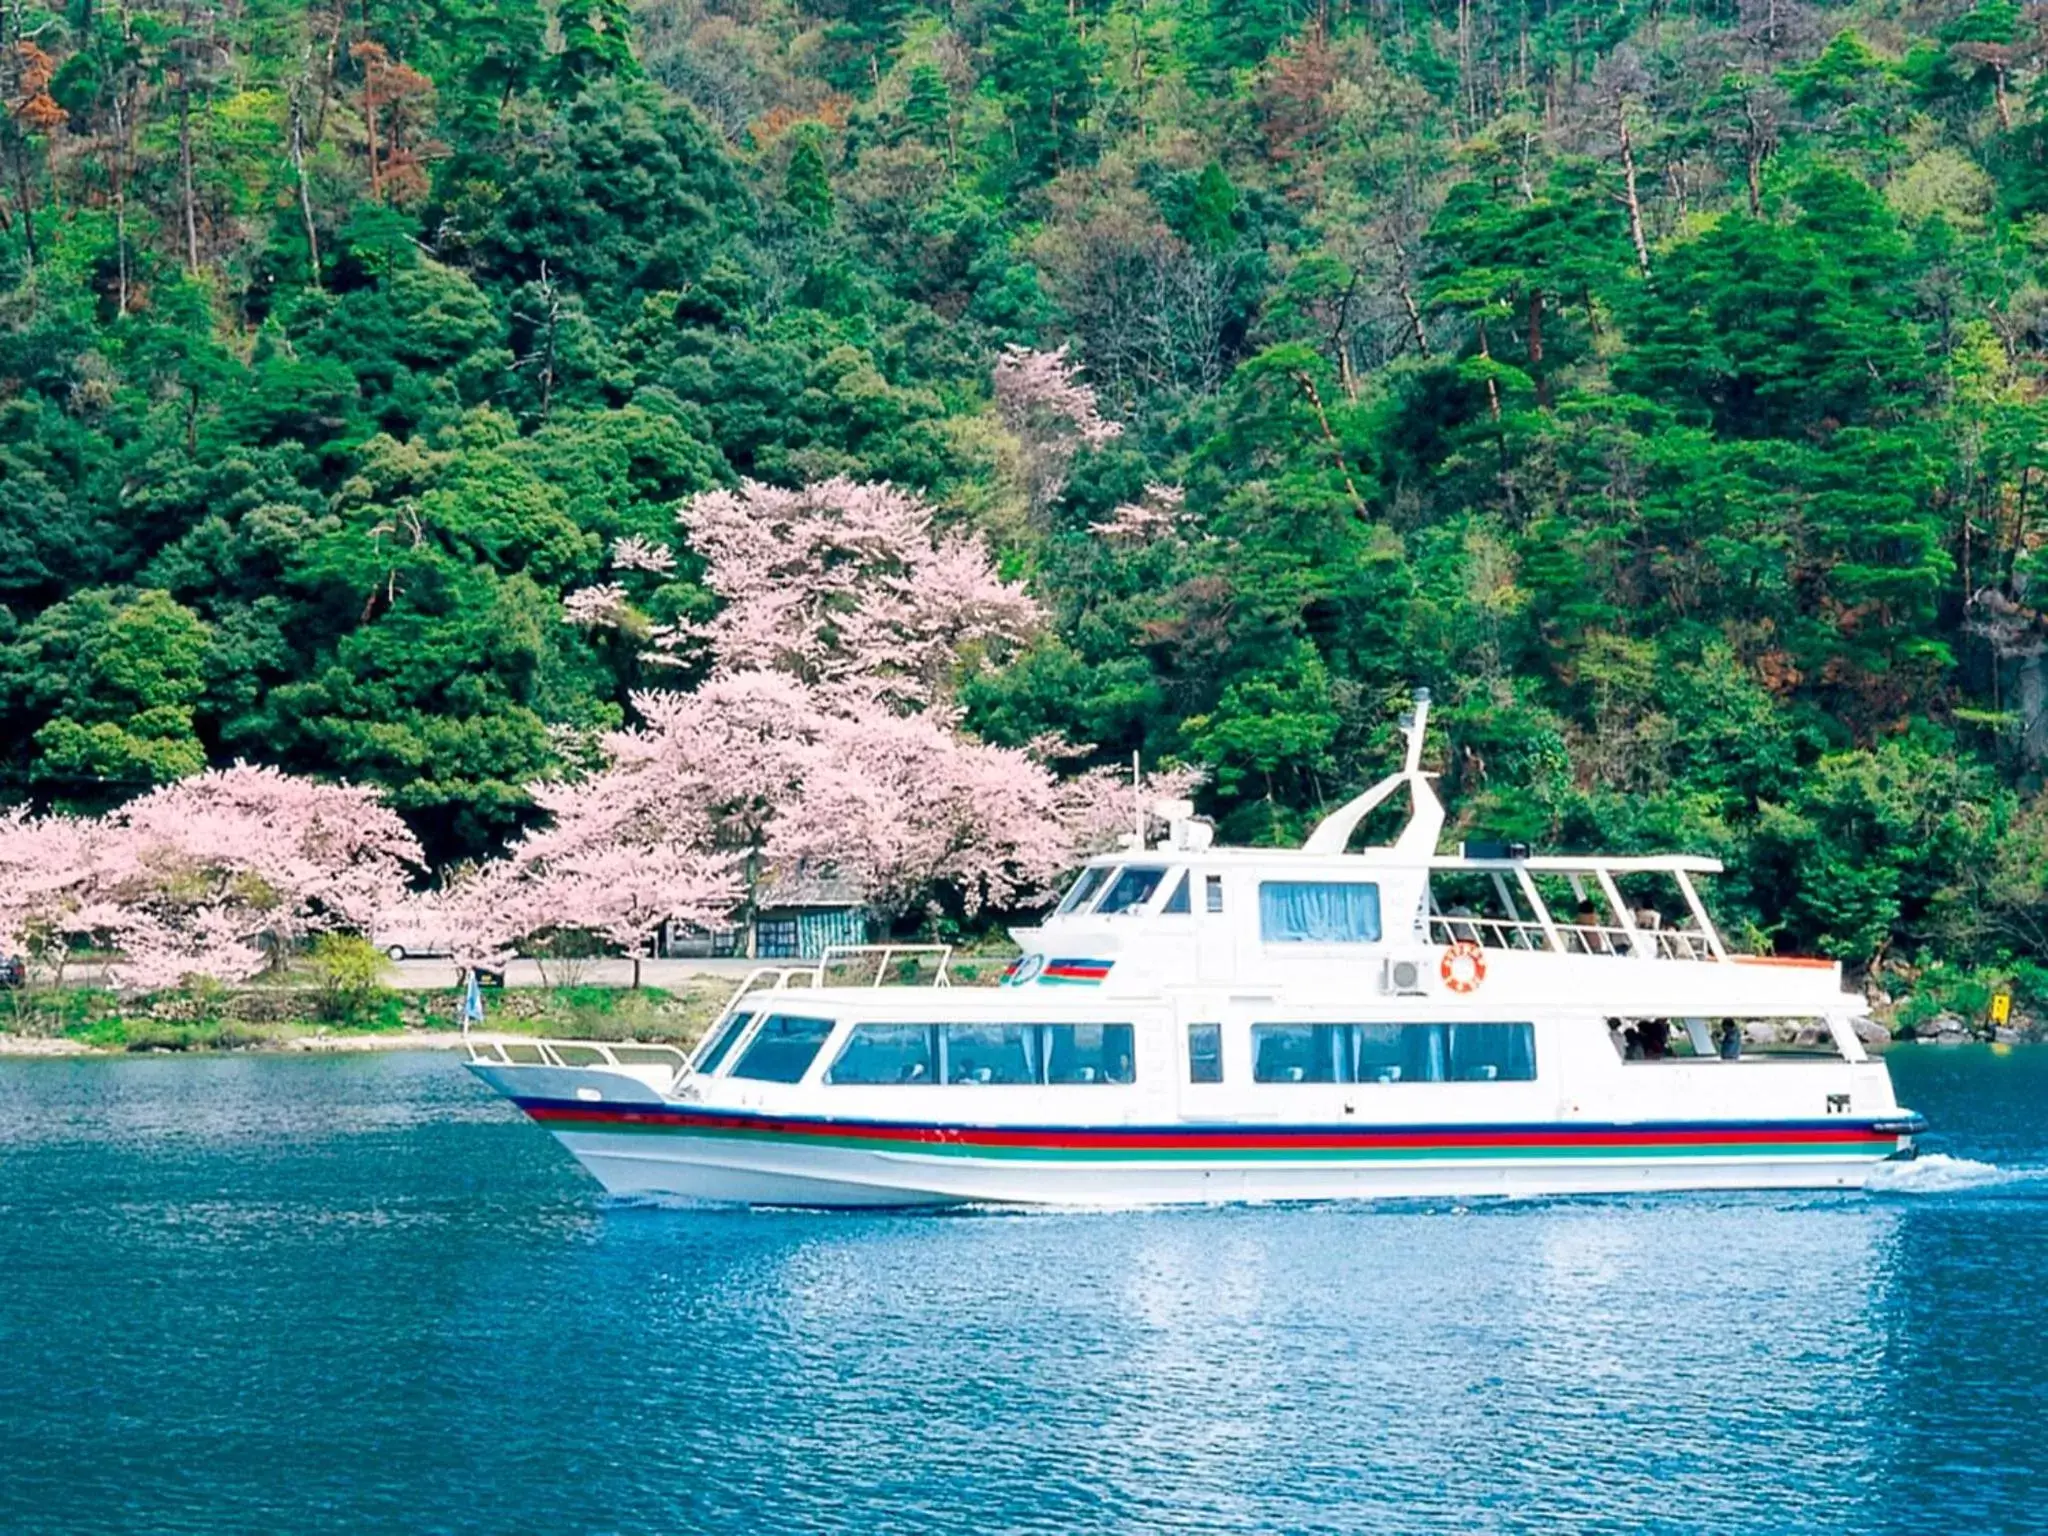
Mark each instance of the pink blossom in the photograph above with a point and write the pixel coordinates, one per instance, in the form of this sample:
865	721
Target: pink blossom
214	874
46	868
635	553
623	851
898	804
849	588
599	607
1156	515
1041	398
1100	807
823	739
1045	387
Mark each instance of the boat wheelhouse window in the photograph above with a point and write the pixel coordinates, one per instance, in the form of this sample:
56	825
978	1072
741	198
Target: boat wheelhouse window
1083	890
714	1049
1132	889
1318	912
1177	903
782	1049
1205	1053
993	1054
1393	1053
1213	885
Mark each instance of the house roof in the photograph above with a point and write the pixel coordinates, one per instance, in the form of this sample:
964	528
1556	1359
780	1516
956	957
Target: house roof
809	885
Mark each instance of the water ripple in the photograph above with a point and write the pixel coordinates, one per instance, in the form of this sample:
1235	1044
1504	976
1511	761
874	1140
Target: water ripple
261	1295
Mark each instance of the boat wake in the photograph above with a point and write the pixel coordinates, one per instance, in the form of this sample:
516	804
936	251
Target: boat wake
1936	1173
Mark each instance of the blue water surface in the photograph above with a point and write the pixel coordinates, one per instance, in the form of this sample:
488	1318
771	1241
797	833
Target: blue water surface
285	1294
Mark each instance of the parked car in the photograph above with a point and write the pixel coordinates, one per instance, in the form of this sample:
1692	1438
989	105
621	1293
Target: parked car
13	971
408	938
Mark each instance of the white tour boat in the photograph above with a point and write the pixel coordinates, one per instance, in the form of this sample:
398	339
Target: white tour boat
1203	1024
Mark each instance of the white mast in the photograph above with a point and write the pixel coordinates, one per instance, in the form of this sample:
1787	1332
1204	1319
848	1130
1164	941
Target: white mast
1425	821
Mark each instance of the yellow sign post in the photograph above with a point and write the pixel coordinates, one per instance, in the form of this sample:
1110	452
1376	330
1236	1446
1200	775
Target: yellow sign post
2001	1007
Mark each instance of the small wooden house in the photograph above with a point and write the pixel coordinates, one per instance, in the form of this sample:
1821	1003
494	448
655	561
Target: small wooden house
797	916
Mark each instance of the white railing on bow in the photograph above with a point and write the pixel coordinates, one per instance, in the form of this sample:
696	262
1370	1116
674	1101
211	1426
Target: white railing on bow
501	1051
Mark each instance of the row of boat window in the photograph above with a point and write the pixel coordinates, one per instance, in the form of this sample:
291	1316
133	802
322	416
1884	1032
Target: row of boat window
782	1049
1290	911
1393	1053
1018	1054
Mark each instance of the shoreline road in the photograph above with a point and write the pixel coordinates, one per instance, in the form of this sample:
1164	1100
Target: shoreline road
418	975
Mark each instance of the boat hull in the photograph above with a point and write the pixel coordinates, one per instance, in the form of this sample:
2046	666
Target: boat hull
727	1157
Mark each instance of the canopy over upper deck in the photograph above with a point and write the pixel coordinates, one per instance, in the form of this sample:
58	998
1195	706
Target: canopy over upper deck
1493	896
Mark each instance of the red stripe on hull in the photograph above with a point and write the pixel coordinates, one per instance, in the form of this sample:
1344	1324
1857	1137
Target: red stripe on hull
1150	1139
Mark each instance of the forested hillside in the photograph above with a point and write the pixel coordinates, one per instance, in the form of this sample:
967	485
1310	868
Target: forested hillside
1660	383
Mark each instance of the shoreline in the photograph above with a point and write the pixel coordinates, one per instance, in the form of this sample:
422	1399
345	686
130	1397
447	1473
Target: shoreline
53	1047
15	1047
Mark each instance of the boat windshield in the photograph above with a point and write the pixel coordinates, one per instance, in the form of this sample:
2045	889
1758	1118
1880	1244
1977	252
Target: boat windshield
720	1042
1084	889
782	1049
1132	888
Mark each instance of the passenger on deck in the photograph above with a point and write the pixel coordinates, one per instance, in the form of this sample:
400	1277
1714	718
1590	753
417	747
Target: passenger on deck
1731	1040
1589	919
1649	923
1656	1039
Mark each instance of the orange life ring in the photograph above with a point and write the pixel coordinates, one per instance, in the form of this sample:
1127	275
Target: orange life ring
1463	966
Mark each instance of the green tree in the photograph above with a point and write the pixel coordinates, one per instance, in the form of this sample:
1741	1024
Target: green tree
113	678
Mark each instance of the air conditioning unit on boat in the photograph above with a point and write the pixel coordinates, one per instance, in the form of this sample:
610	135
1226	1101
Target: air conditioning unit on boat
1402	978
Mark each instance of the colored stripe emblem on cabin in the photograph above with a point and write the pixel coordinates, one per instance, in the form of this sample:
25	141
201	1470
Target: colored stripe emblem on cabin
1075	973
1227	1144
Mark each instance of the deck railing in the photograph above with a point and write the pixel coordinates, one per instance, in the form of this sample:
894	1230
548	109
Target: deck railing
1572	938
1488	932
886	956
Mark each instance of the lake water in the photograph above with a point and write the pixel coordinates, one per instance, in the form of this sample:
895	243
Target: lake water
271	1294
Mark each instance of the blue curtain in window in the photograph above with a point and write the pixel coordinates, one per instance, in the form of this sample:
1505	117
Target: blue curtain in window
1318	912
1034	1038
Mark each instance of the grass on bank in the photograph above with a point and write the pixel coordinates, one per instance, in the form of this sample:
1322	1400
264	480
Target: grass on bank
338	988
203	1017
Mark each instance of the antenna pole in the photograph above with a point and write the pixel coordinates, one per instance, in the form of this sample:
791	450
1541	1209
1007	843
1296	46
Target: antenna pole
1138	802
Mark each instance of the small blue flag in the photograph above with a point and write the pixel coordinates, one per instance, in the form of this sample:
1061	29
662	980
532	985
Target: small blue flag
472	1002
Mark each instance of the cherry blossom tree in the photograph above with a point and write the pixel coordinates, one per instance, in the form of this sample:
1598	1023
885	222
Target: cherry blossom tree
1102	807
624	851
902	804
1042	398
213	875
824	735
217	874
849	588
46	888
